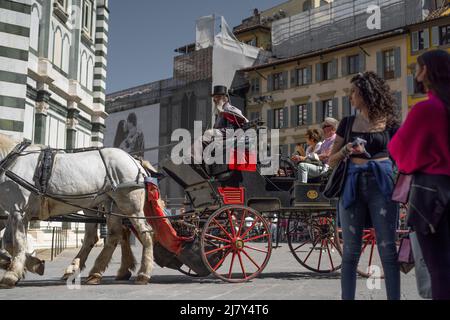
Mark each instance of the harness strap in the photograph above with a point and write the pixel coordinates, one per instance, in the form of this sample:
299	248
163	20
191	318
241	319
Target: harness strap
113	184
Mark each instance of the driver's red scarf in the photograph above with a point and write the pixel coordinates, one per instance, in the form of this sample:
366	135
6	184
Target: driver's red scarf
165	234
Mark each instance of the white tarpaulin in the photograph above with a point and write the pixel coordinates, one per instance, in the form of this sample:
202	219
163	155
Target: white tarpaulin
204	32
230	55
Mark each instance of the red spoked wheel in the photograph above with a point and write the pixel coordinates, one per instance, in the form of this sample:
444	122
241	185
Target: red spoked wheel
236	243
314	242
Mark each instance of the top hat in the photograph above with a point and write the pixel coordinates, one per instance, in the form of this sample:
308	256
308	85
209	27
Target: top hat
219	90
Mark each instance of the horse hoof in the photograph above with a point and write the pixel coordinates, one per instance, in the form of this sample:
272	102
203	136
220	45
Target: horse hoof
41	268
124	277
142	279
94	279
9	281
66	276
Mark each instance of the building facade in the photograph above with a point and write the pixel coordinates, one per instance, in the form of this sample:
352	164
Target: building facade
298	93
53	71
53	57
433	33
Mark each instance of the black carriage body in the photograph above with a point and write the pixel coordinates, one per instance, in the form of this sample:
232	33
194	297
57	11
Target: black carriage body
209	187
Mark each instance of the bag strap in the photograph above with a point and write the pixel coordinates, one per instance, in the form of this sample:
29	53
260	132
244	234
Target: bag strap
348	129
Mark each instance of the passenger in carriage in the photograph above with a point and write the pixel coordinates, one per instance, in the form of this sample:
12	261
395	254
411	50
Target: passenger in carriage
319	165
369	181
311	157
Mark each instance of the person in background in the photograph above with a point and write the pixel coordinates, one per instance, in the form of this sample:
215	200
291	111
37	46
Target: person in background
368	184
421	147
314	170
310	163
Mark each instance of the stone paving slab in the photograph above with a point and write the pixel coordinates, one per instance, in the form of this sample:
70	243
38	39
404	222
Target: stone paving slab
283	279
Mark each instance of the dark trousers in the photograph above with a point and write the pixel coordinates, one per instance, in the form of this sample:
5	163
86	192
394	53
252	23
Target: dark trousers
436	253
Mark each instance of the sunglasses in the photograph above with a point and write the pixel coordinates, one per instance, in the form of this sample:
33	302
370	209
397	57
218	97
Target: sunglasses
327	126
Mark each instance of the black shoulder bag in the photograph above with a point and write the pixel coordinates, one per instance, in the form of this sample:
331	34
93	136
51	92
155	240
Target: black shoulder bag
336	181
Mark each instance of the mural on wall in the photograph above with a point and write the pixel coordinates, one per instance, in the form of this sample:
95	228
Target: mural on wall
134	131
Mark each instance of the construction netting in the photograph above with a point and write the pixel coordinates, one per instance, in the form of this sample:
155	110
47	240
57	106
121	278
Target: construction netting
339	22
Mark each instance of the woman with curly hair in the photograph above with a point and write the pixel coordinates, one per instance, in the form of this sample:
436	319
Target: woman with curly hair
369	182
421	147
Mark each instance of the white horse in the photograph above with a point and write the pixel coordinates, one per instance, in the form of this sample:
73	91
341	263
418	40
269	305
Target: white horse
74	175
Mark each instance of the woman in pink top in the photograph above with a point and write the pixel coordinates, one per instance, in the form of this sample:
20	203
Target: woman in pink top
421	147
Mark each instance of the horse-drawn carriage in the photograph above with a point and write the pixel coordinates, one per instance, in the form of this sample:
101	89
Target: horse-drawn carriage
226	233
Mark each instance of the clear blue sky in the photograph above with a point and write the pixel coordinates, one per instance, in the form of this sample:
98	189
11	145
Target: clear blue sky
144	33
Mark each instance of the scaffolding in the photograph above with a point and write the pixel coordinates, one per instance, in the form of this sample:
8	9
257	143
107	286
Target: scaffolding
338	22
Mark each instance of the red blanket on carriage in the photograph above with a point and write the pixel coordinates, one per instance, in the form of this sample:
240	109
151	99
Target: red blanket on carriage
165	234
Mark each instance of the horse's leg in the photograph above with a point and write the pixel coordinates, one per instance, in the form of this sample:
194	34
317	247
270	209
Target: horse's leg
16	269
128	262
132	204
112	240
89	241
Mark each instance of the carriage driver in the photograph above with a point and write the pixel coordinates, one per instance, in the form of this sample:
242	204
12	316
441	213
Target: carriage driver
227	117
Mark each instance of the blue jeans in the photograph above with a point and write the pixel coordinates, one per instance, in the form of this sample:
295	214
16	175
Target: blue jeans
384	215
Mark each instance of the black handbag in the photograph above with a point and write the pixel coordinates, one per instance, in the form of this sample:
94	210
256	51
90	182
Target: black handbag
335	183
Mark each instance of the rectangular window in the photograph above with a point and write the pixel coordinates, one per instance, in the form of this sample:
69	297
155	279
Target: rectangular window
278	81
327	109
353	64
421	44
278	118
251	42
326	71
444	35
87	16
302	115
254	86
302	76
389	64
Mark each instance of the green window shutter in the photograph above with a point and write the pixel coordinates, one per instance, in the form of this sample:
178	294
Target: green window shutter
398	98
380	64
362	62
294	116
345	106
319	112
318	72
398	62
309	113
285	150
286	117
410	83
344	66
426	38
270	83
309	74
336	108
285	75
269	119
415	41
334	68
294	80
435	41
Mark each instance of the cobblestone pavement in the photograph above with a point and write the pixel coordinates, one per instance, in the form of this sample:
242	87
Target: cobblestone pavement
282	279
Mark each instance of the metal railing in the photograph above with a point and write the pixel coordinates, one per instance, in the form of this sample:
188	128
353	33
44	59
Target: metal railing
59	241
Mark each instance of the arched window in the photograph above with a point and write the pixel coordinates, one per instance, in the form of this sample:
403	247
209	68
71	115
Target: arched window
57	48
66	54
34	30
83	68
90	73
